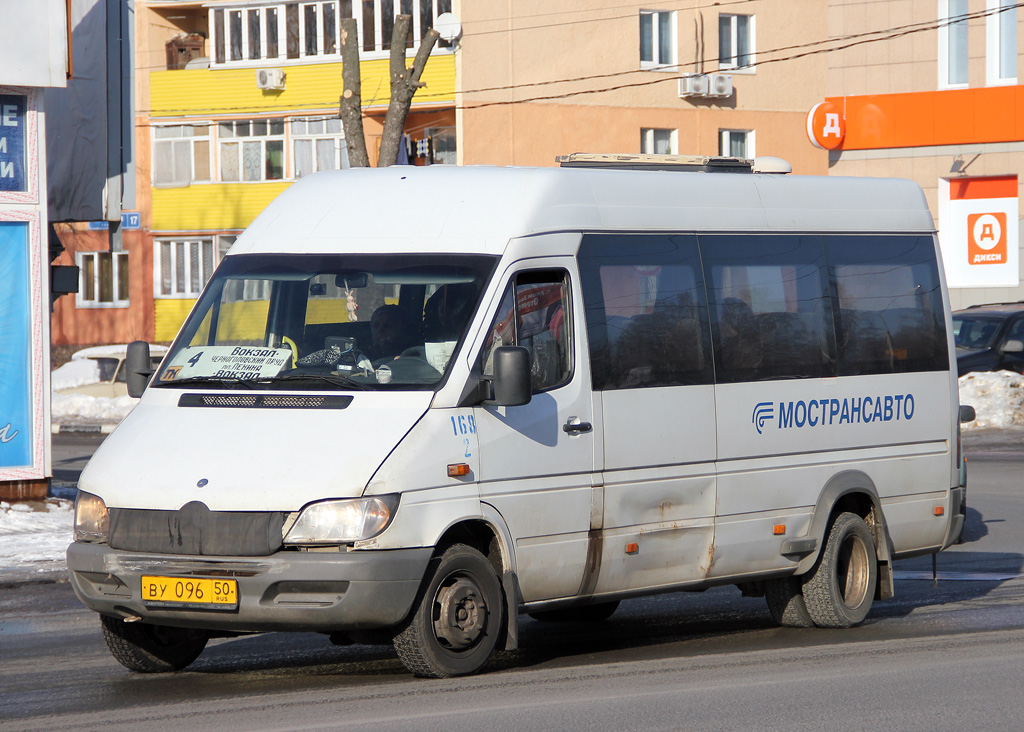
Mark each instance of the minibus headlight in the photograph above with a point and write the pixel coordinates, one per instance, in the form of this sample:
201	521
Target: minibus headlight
92	521
330	522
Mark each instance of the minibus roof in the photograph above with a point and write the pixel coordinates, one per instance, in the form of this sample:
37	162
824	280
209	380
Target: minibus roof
477	209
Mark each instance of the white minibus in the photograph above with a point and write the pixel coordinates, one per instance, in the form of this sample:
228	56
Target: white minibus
414	403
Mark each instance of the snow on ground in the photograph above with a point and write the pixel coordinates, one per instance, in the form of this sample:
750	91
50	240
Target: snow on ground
77	409
33	537
76	372
997	398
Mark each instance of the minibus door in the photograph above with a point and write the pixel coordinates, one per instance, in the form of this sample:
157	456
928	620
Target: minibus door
537	460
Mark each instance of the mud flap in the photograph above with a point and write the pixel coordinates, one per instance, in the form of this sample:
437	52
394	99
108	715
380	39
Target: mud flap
513	597
885	588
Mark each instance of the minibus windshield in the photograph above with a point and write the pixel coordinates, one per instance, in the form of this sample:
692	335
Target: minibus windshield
328	322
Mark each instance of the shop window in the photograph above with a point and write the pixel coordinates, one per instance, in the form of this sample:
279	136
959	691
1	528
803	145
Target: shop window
657	38
735	41
104	279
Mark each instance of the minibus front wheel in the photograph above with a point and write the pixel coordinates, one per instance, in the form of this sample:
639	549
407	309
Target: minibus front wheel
457	618
839	590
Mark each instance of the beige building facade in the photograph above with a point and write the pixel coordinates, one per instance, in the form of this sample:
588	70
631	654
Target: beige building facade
536	80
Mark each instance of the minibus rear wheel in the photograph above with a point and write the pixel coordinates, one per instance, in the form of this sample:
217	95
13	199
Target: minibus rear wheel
457	618
839	590
151	649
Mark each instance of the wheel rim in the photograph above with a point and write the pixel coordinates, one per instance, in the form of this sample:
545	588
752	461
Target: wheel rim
460	613
854	571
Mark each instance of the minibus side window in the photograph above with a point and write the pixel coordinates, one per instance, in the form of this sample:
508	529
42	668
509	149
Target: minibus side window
535	313
770	306
646	311
889	317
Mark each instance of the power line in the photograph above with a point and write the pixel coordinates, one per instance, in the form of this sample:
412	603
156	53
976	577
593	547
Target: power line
856	39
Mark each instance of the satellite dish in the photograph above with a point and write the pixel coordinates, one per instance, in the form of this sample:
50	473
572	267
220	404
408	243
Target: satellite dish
449	26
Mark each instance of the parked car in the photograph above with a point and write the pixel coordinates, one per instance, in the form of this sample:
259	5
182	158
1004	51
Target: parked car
98	371
989	338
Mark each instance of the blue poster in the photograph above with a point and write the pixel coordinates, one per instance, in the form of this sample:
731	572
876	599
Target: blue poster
13	109
15	347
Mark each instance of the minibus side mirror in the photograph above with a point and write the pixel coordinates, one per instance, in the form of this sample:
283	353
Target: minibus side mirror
1013	346
138	367
511	386
967	413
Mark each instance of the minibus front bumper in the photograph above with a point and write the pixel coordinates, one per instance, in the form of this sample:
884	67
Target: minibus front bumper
290	590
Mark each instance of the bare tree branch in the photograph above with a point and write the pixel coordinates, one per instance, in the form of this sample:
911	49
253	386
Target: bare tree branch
351	111
404	83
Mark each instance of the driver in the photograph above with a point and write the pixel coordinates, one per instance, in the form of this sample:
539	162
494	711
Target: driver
392	332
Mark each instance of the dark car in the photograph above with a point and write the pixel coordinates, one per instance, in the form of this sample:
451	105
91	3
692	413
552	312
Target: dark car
989	338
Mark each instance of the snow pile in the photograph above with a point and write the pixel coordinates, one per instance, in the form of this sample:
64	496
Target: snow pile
34	537
997	398
75	373
82	409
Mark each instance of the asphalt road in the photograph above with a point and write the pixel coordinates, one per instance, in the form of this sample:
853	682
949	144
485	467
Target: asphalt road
937	656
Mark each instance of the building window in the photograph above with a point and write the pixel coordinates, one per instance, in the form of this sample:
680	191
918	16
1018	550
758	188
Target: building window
953	43
311	29
736	144
657	38
657	142
181	154
251	150
183	267
735	41
318	144
104	279
442	145
1001	41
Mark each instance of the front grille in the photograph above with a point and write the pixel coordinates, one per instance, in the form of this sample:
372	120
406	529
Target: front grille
264	401
196	530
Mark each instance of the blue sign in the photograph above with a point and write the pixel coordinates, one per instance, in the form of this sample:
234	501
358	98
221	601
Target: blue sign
129	222
13	110
15	347
827	412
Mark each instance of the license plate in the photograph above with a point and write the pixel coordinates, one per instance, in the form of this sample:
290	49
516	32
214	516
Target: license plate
190	592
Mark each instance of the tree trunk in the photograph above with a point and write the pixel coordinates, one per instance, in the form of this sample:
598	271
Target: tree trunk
404	83
351	111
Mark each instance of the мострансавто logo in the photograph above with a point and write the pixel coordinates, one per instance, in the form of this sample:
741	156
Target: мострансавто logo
827	412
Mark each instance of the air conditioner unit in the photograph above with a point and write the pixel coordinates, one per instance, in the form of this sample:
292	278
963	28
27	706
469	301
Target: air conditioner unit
694	85
270	78
720	85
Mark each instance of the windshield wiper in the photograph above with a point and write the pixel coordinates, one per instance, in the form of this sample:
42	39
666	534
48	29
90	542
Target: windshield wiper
220	381
334	379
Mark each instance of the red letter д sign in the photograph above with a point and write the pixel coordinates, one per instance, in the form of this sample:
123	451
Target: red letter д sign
826	127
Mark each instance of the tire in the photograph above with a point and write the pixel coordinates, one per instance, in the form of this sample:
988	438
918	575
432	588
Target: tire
839	590
786	602
457	619
152	649
582	614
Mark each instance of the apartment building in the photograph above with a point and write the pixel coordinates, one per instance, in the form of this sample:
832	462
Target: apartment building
538	80
234	102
